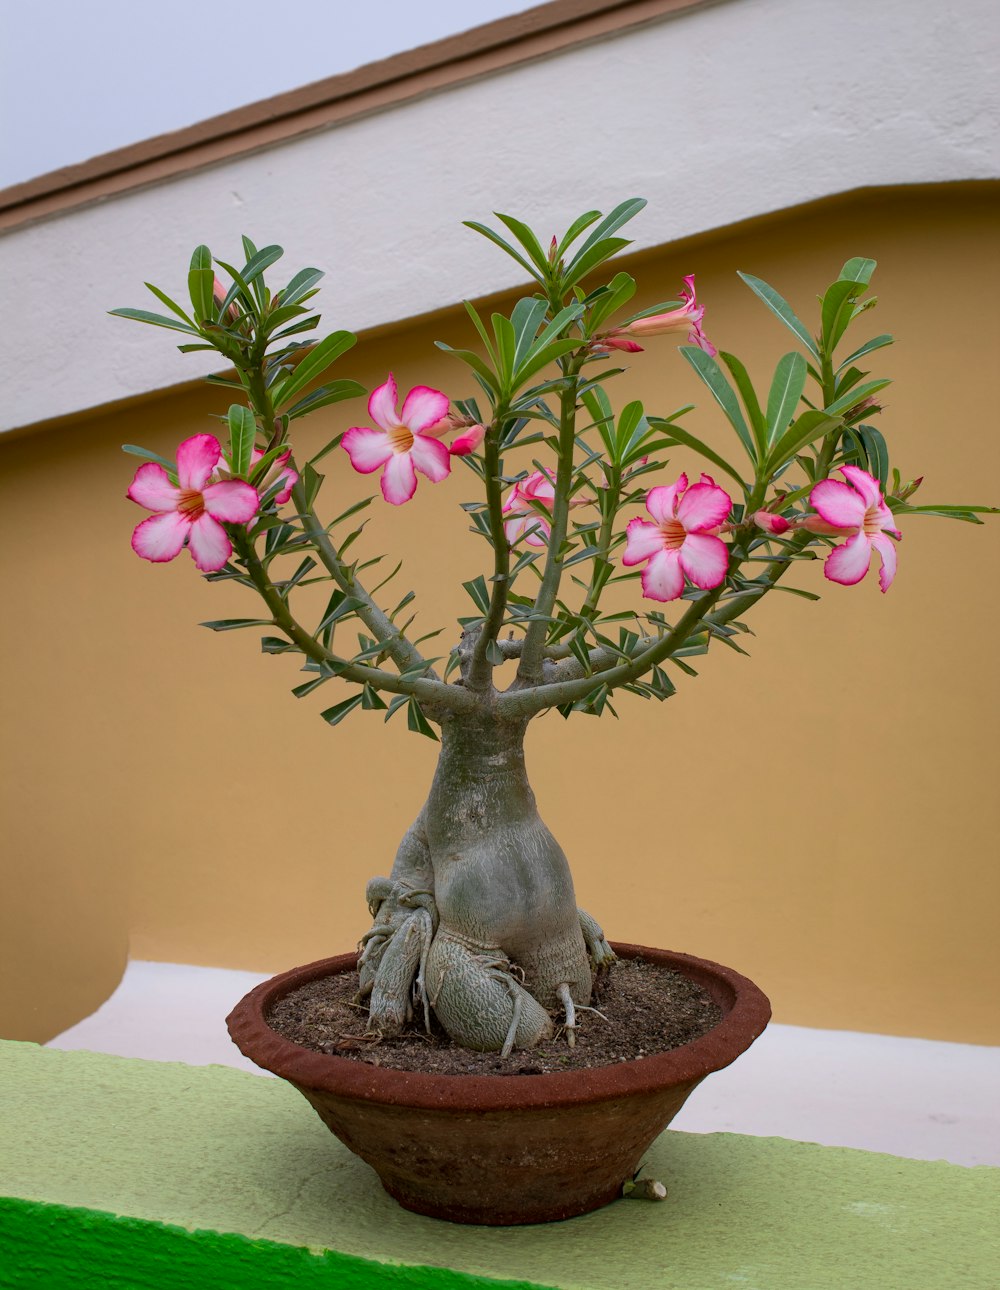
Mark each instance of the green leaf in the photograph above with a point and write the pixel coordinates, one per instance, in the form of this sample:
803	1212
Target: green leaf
326	352
371	700
527	239
781	310
860	269
260	261
277	645
171	304
234	624
477	589
587	261
311	481
417	722
201	279
879	342
497	240
474	361
300	286
611	223
334	392
711	373
169	466
680	436
339	711
749	396
811	425
526	319
857	395
838	310
876	451
619	291
786	392
155	320
242	433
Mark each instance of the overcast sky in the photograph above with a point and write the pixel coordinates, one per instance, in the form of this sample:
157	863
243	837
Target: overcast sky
80	77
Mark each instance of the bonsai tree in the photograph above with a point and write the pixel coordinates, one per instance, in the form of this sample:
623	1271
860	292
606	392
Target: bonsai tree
477	921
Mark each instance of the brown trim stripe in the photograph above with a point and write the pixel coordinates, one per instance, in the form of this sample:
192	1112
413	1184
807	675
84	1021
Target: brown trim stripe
520	38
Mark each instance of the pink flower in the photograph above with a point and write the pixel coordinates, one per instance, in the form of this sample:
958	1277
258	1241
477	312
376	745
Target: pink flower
771	523
278	469
539	489
192	513
219	293
681	543
858	509
688	317
404	441
469	441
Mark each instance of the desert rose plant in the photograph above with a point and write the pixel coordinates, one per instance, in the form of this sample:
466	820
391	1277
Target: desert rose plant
477	921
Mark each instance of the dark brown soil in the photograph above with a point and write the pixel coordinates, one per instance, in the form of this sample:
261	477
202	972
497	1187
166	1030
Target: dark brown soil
646	1009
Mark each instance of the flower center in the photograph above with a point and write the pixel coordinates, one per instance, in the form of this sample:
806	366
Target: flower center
871	524
673	533
400	439
191	504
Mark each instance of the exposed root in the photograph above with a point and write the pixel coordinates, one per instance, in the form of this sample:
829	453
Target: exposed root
570	1008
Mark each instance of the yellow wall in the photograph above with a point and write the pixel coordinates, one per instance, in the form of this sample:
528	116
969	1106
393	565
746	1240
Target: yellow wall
822	816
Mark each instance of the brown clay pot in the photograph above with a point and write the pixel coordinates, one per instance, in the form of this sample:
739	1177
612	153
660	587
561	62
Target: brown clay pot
499	1149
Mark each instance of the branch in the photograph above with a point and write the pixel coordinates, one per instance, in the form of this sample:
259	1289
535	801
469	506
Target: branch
480	671
427	689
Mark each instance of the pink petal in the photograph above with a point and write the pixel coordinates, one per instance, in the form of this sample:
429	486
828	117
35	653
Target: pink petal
382	407
661	501
864	483
539	488
704	506
770	522
838	504
399	480
152	488
431	457
469	441
642	541
887	550
210	547
423	408
887	520
535	531
232	501
290	478
662	578
704	559
196	459
368	449
849	563
161	537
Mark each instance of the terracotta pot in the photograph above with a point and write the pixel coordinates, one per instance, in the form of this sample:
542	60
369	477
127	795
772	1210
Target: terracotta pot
500	1149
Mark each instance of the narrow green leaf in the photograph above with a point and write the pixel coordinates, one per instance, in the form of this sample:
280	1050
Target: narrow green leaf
169	466
277	645
781	310
300	285
749	396
497	240
260	261
201	279
611	223
326	352
155	320
838	310
242	433
785	395
680	436
333	716
879	342
311	482
371	700
579	225
720	389
234	624
417	722
334	392
811	425
855	396
587	261
172	305
527	239
860	269
479	592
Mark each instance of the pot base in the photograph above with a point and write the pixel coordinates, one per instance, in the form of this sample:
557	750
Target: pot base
503	1150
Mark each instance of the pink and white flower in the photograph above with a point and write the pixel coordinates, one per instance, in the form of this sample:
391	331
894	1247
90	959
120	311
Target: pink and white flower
523	499
771	523
404	441
682	540
522	505
192	511
279	469
687	318
468	441
856	510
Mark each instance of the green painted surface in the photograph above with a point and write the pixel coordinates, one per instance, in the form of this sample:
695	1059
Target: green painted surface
213	1150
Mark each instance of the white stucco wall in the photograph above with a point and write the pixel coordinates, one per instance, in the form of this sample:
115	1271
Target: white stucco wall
716	116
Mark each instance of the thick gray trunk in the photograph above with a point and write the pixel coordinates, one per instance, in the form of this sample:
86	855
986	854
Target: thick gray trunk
479	913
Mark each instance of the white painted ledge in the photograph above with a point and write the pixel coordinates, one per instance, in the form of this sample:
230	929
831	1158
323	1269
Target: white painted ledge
716	115
908	1097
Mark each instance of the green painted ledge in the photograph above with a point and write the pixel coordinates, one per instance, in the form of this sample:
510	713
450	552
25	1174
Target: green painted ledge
131	1174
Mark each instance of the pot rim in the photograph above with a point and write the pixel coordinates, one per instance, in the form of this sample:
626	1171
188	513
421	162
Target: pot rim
747	1011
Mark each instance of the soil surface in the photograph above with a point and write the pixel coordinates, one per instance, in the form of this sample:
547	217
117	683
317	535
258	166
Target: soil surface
646	1009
